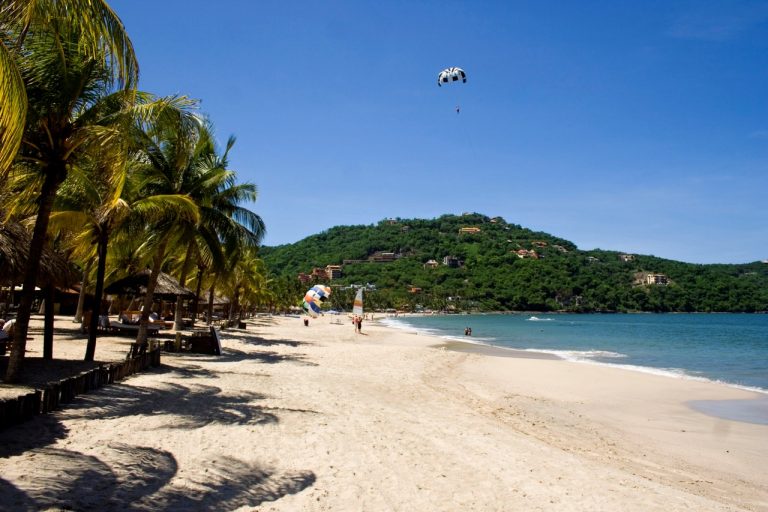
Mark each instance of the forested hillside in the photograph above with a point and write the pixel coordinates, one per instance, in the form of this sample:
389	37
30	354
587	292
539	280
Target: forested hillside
503	266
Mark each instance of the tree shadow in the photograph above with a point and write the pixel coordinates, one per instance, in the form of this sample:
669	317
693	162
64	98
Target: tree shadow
231	355
187	407
253	339
127	477
41	431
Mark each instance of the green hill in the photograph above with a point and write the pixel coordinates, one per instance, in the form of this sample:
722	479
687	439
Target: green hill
504	266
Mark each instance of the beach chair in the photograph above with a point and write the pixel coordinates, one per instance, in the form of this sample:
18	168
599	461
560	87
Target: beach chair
204	342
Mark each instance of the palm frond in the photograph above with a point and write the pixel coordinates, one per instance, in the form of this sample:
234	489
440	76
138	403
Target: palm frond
13	108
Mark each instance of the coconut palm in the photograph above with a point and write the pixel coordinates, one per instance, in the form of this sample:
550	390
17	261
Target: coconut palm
224	223
247	275
101	36
68	55
98	199
168	149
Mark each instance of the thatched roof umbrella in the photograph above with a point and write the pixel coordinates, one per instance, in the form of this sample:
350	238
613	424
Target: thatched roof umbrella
167	287
14	249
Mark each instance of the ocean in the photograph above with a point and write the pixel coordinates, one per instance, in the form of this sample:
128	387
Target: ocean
726	348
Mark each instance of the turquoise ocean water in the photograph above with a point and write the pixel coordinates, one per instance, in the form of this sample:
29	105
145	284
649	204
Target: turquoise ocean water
727	348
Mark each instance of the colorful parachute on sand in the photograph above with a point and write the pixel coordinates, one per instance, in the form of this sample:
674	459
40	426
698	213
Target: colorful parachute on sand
314	298
449	75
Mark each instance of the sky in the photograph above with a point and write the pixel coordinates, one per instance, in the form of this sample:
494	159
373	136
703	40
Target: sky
637	126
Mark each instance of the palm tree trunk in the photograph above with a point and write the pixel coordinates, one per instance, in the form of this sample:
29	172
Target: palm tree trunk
90	349
177	321
81	297
233	307
53	178
210	302
48	323
141	338
197	293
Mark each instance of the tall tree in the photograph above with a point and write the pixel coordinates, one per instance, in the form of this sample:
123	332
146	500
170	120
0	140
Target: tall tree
101	36
99	198
224	223
168	149
69	55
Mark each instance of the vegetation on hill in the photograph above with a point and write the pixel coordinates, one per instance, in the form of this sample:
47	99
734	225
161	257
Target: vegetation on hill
497	274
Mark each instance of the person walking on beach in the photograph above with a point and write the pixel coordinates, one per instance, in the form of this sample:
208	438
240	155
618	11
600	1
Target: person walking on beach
359	324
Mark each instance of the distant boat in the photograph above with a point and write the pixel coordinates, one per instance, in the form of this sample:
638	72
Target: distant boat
357	305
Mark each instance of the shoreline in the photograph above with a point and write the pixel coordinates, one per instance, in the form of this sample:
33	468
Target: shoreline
320	418
675	373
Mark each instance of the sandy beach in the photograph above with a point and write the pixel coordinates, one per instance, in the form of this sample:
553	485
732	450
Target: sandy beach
320	418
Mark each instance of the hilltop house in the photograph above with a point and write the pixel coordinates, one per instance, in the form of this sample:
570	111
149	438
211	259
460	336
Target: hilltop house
524	253
470	230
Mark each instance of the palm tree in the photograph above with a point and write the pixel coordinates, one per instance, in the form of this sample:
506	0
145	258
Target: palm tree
68	54
168	149
223	222
99	198
101	35
246	277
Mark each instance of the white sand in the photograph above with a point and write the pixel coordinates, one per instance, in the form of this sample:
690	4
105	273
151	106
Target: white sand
319	418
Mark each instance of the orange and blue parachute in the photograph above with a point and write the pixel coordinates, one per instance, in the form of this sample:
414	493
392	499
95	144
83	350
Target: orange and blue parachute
314	298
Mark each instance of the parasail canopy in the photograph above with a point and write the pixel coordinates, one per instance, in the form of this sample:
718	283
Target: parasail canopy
314	299
449	75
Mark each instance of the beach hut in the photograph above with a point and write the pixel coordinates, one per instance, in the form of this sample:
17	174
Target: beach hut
55	270
14	244
135	286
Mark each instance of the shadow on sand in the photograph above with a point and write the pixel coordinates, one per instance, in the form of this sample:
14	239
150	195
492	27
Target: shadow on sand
126	477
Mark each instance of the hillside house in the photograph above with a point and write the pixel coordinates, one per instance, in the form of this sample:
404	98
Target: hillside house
452	262
414	289
539	243
431	264
333	271
319	273
304	277
382	257
470	230
560	248
525	253
627	257
656	279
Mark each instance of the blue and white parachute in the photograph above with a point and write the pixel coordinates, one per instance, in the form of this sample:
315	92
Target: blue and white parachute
449	75
314	298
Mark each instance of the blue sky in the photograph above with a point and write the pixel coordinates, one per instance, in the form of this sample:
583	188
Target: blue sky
633	126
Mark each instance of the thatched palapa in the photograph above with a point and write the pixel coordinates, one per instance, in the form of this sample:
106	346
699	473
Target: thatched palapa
14	251
167	287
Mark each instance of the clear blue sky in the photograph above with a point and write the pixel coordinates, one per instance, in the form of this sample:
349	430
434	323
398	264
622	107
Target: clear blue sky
633	126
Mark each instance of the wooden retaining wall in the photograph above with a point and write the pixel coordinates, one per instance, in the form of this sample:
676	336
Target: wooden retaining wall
51	398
